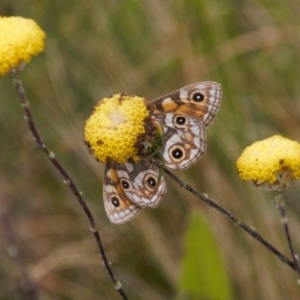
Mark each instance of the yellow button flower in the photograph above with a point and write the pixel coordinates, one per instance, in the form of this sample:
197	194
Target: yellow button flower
114	127
273	163
20	39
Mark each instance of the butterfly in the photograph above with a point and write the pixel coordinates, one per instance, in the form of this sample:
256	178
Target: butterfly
182	116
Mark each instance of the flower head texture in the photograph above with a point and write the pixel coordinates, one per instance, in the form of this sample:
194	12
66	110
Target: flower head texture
20	39
113	129
273	163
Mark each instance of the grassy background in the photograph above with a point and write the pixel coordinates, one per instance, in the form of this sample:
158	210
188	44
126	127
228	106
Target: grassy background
96	48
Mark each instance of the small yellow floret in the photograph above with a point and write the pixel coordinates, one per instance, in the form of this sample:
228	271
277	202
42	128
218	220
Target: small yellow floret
275	161
20	39
113	128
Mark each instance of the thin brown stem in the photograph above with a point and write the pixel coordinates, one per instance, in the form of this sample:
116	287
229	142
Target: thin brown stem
233	218
68	181
284	221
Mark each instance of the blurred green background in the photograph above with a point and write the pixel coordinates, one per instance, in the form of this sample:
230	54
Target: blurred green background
183	249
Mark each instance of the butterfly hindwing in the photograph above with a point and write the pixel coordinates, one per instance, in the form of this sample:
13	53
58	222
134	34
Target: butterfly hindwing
184	140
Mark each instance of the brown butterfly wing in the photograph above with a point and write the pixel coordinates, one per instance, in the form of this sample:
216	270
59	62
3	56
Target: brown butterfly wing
130	187
183	115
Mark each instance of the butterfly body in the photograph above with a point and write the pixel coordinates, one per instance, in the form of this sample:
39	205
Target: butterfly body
180	118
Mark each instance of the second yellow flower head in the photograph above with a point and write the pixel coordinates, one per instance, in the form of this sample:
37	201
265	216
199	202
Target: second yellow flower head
273	162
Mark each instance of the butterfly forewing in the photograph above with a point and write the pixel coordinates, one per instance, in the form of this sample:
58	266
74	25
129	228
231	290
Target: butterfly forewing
199	100
118	207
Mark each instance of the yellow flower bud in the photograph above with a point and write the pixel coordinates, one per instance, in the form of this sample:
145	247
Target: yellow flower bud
20	39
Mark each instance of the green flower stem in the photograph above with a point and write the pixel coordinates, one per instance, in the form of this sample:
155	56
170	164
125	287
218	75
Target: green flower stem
67	180
233	218
284	221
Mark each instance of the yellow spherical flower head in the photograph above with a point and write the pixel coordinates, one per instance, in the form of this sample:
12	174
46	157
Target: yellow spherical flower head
20	39
273	163
113	130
